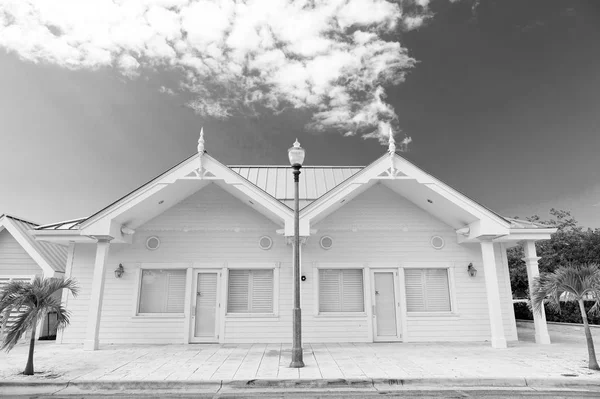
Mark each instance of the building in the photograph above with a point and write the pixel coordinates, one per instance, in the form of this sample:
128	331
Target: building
23	258
202	253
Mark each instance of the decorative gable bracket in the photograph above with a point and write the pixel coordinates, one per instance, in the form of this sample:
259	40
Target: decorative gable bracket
200	174
393	174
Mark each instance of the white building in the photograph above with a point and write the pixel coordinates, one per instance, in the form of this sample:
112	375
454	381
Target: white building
23	258
207	257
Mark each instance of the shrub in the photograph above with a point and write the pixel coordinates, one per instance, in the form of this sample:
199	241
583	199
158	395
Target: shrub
570	312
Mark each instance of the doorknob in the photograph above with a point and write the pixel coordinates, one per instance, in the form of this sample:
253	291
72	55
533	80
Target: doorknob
376	292
199	293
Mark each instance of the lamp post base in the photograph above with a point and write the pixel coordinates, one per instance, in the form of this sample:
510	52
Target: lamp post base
297	359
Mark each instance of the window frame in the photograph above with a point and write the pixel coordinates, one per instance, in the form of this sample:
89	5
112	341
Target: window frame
251	266
453	312
317	294
138	290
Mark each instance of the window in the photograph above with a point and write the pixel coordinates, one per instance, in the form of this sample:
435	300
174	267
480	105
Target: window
427	290
162	291
4	280
250	291
341	290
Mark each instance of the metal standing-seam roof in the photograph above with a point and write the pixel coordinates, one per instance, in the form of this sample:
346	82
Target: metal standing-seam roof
54	254
72	224
526	224
278	181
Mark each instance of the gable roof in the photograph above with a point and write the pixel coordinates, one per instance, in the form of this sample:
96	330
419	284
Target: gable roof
140	205
322	189
423	189
278	181
50	257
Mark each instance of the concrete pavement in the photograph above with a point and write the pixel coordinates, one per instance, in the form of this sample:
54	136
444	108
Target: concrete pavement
211	368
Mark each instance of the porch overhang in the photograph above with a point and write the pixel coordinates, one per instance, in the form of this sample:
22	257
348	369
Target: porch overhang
164	191
425	191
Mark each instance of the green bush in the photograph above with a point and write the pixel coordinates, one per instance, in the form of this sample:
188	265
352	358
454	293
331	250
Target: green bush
570	312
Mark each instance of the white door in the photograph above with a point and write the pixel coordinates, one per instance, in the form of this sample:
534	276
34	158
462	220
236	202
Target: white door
385	306
205	307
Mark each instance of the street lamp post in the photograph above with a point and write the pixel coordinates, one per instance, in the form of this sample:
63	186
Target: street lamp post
296	156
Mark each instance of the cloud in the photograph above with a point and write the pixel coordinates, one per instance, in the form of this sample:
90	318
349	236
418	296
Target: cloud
167	90
333	57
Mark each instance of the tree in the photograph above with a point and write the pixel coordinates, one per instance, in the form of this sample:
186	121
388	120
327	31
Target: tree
571	244
572	282
31	301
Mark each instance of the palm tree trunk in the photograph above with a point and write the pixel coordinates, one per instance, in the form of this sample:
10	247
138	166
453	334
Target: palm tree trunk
593	363
29	366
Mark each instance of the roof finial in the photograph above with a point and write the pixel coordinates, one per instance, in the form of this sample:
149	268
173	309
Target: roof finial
201	142
392	143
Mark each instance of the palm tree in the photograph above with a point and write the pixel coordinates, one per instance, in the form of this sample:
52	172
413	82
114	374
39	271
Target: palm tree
30	302
572	282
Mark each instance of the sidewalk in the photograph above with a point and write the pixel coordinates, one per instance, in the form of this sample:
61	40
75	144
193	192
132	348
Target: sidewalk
210	367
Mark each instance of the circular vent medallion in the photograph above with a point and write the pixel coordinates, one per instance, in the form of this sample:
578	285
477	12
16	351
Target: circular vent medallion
437	242
265	242
152	243
326	242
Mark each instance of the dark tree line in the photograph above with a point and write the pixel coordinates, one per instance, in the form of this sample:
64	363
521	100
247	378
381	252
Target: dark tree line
570	244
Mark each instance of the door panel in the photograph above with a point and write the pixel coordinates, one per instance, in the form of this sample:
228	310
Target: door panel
385	307
206	306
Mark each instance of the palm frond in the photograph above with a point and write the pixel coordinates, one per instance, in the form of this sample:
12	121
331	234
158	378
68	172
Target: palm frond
31	300
21	324
52	285
595	309
13	291
571	281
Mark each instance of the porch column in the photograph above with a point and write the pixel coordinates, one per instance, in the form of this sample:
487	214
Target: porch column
95	310
539	320
493	294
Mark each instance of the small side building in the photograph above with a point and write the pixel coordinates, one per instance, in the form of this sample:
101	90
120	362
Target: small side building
23	258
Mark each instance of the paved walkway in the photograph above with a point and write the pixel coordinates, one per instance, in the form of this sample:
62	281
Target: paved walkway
523	359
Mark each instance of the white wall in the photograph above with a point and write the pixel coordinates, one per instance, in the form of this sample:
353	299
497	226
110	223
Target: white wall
14	260
392	230
212	215
223	230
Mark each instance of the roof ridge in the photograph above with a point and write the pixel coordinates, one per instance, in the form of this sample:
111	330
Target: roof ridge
288	166
19	219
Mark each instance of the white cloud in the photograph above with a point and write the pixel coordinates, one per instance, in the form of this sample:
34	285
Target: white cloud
166	90
331	56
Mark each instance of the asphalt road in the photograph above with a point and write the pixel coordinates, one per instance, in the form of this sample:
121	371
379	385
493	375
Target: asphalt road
412	394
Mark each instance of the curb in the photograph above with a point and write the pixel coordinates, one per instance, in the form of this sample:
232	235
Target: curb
367	383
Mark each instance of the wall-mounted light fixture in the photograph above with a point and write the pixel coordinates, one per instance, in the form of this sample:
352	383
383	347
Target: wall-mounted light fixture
119	271
471	270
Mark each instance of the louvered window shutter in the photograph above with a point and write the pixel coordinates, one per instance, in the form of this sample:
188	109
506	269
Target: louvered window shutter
176	291
162	291
250	291
238	300
438	294
13	315
262	291
427	290
341	290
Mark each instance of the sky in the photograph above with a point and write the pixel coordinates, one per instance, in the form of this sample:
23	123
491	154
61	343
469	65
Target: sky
500	99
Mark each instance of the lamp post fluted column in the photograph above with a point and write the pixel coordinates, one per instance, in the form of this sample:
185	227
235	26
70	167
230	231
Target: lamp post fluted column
296	155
